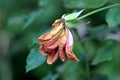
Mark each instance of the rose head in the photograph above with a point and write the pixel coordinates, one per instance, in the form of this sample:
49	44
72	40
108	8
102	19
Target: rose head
57	43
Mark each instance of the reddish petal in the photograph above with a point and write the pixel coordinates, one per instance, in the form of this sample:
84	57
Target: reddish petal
72	56
51	45
69	41
62	42
62	54
69	44
42	51
52	57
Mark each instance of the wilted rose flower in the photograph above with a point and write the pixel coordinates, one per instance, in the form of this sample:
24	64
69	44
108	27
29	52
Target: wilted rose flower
57	43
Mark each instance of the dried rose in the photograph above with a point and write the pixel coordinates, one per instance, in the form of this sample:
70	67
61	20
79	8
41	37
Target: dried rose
57	43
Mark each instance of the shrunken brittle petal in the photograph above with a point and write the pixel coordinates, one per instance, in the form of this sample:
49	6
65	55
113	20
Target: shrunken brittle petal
71	55
51	45
62	53
69	46
53	42
57	42
41	49
62	42
52	57
52	33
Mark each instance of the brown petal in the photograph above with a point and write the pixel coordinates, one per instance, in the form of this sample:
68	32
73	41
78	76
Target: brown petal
52	57
42	51
72	56
53	32
57	28
62	42
57	22
45	37
69	46
53	42
62	53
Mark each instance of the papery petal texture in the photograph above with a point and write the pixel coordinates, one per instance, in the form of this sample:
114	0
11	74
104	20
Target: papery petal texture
57	43
69	46
62	43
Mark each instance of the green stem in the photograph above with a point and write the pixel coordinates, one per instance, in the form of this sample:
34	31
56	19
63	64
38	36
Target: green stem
87	69
98	10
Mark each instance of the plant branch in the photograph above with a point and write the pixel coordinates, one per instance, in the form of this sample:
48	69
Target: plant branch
95	11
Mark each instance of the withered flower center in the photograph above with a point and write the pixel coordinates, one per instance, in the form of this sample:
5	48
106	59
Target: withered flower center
57	43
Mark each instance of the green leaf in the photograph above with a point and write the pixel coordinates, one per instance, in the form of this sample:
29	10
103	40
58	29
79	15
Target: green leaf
43	3
115	1
72	15
113	17
104	53
98	32
71	71
90	47
84	3
99	76
34	43
50	76
31	18
71	24
34	59
16	23
78	47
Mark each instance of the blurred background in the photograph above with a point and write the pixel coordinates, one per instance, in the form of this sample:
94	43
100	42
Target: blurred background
97	40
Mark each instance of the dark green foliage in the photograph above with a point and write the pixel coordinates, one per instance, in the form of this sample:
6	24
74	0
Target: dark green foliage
34	60
23	21
84	3
113	17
